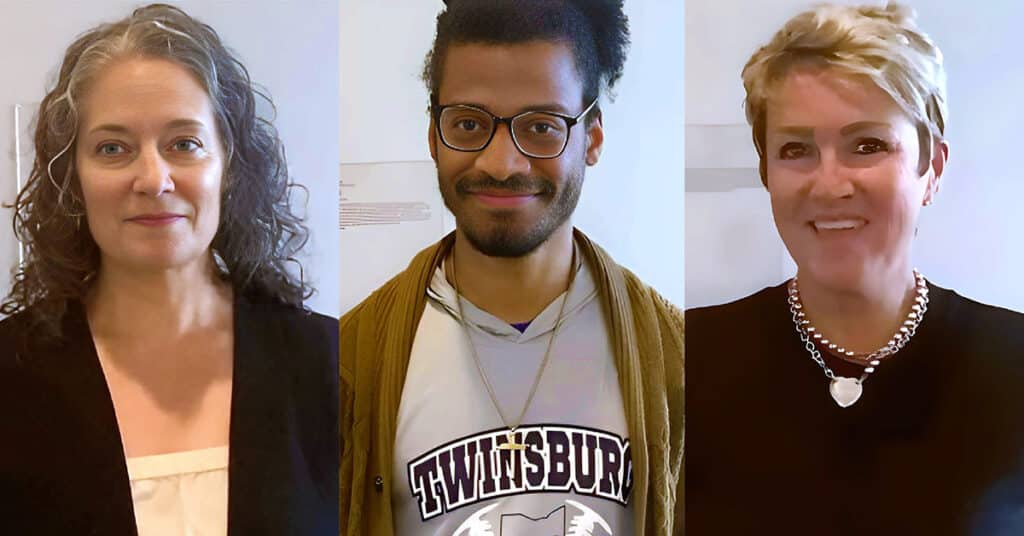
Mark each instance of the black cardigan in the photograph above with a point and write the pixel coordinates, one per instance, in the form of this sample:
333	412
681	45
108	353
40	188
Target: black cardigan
934	446
62	467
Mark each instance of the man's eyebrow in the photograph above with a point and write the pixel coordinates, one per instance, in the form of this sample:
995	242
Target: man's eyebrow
546	107
549	107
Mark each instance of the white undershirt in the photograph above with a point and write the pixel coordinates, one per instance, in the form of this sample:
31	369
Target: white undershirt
182	493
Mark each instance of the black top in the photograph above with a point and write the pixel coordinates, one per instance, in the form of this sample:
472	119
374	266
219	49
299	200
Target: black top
934	446
62	465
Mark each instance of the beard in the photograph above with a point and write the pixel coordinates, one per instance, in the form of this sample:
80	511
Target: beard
501	233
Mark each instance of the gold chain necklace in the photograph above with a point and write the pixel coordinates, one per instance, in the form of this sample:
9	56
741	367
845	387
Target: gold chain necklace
511	443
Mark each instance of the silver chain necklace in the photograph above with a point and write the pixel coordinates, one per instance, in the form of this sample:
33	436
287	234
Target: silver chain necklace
846	391
511	443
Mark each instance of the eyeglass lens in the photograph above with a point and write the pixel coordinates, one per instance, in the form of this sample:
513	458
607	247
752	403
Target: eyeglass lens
536	133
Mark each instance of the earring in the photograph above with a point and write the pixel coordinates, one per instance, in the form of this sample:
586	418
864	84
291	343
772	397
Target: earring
76	214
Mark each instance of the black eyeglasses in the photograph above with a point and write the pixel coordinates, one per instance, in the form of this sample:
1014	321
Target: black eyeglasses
536	134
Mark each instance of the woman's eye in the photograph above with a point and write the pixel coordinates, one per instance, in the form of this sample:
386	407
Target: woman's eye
792	151
110	149
870	146
187	145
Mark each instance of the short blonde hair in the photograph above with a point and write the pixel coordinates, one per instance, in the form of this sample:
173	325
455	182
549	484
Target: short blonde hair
881	44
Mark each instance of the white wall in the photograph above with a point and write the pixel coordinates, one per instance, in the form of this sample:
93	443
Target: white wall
970	239
290	48
632	202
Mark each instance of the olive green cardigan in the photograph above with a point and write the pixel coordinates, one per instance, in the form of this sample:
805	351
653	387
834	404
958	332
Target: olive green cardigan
376	340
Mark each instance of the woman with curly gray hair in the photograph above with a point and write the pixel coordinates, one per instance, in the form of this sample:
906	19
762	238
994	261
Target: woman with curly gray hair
858	397
158	372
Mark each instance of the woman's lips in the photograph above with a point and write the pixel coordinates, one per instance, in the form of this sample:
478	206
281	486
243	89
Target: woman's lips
156	220
844	224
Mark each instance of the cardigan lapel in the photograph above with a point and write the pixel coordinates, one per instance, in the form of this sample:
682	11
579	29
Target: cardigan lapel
73	366
395	337
259	463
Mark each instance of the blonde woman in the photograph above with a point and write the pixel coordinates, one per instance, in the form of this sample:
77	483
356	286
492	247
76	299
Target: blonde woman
158	372
858	397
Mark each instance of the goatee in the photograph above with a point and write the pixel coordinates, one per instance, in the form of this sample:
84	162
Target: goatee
501	237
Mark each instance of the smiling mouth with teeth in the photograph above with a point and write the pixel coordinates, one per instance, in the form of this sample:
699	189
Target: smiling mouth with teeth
837	225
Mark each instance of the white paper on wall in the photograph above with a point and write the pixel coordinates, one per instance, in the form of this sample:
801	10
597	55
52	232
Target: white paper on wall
388	212
20	166
16	163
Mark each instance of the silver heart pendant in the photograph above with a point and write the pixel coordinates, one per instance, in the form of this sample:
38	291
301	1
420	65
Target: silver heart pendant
845	391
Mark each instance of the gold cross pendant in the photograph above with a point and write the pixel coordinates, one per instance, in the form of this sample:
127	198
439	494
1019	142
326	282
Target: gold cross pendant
511	443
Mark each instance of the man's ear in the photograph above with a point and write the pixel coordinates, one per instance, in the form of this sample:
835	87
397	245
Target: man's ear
432	140
595	138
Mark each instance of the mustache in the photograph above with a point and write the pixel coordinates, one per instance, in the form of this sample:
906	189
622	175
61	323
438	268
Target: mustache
514	184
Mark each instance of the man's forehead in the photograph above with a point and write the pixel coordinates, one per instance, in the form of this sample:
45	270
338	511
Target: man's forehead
506	78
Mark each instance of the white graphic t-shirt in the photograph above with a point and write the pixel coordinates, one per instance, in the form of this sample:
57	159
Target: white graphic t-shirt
574	476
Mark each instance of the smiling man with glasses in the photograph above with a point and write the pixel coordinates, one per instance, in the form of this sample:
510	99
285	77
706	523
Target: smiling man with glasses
514	379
